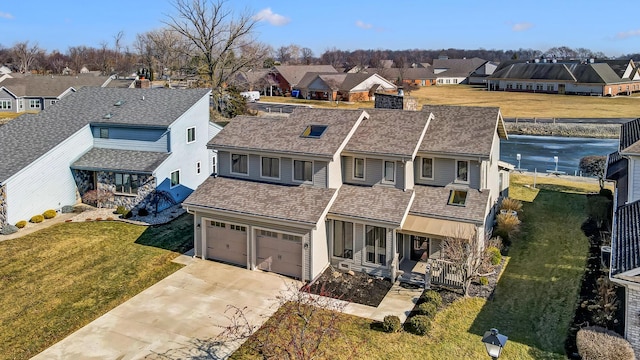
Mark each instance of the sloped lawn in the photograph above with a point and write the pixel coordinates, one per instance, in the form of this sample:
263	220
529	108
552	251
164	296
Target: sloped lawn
58	279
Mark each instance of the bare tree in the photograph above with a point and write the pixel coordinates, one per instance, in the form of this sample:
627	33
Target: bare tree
167	46
466	251
78	55
219	38
284	55
307	55
25	55
117	47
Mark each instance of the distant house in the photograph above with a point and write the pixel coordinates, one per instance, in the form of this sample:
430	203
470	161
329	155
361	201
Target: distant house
623	167
126	144
602	78
4	70
287	77
456	71
480	75
343	86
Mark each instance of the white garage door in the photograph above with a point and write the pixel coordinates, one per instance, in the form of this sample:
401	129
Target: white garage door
280	253
227	242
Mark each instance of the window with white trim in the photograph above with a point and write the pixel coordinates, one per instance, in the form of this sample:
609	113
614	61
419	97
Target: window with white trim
268	233
239	163
358	168
127	183
238	228
175	178
462	171
343	239
302	170
389	172
198	167
290	237
5	104
376	245
426	171
270	167
191	135
218	224
34	104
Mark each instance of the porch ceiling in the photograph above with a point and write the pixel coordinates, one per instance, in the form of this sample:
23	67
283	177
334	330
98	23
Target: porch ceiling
438	227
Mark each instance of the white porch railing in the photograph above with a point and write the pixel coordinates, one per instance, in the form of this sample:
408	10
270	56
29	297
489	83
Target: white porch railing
444	273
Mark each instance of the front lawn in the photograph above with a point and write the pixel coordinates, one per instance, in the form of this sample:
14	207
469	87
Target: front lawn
534	301
58	279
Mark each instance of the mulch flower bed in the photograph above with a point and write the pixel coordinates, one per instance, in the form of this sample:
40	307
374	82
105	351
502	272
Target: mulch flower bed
357	287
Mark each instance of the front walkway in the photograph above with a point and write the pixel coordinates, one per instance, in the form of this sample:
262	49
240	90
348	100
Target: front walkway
399	301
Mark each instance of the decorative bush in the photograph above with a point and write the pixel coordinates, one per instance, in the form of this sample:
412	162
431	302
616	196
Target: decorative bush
143	212
507	225
49	214
8	229
127	215
121	210
606	193
428	309
494	255
391	324
419	324
67	209
431	296
511	204
483	280
595	342
20	224
37	219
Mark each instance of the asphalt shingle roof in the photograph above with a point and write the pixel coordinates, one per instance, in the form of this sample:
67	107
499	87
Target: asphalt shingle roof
598	73
630	137
120	160
432	201
625	245
389	132
48	86
24	140
457	67
377	203
303	204
462	130
284	134
294	73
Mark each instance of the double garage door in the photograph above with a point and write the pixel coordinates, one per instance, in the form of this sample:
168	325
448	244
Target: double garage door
276	252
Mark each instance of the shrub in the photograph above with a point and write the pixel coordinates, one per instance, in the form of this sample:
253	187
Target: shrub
431	296
511	204
483	280
606	193
67	209
127	215
110	218
121	210
143	212
20	224
49	214
391	324
428	309
37	219
494	255
419	324
595	342
598	208
9	229
507	225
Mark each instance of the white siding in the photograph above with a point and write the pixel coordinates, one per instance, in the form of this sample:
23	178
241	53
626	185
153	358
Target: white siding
319	249
47	183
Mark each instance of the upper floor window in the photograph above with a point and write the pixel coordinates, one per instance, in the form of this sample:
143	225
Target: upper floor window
239	163
389	172
175	178
427	168
191	135
271	167
302	170
34	104
104	133
5	104
127	183
458	197
358	168
198	167
462	171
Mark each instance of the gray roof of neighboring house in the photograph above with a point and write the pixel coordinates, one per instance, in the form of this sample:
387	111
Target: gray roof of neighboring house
597	73
120	83
25	139
630	137
284	135
294	73
374	203
457	67
302	204
618	66
50	86
405	73
389	132
625	245
462	130
340	81
433	201
617	166
120	160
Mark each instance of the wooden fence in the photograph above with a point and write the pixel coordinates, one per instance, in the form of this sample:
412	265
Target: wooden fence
444	273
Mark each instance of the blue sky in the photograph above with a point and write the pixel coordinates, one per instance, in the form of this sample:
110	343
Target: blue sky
346	25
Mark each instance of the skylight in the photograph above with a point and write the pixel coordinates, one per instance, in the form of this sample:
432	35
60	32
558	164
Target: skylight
458	197
314	131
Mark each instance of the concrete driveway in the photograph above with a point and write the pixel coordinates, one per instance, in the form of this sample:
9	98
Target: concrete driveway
177	315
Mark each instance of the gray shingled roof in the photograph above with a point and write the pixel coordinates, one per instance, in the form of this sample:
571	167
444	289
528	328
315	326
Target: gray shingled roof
462	130
616	166
389	132
336	79
625	245
377	203
432	201
294	73
302	204
24	140
618	66
120	160
598	73
283	135
48	86
630	137
457	67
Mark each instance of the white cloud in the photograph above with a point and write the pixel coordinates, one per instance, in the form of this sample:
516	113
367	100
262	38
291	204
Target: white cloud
272	18
363	25
523	26
627	34
5	15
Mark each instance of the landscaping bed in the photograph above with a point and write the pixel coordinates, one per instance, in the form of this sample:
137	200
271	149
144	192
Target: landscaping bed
357	287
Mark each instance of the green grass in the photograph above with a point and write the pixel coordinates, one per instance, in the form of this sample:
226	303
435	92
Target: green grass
534	301
58	279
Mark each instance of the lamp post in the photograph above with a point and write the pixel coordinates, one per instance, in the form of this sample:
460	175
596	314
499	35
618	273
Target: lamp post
555	159
518	158
494	342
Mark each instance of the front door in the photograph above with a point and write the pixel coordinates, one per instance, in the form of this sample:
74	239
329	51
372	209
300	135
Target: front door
419	248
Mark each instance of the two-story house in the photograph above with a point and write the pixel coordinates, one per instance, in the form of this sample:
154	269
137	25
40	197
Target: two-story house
124	142
359	189
623	166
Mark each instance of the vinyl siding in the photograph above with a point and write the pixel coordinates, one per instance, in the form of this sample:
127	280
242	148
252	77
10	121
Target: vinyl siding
444	172
140	139
320	248
47	183
320	174
373	172
5	96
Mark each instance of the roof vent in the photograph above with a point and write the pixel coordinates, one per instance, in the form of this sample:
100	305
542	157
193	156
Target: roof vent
314	131
119	103
107	116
